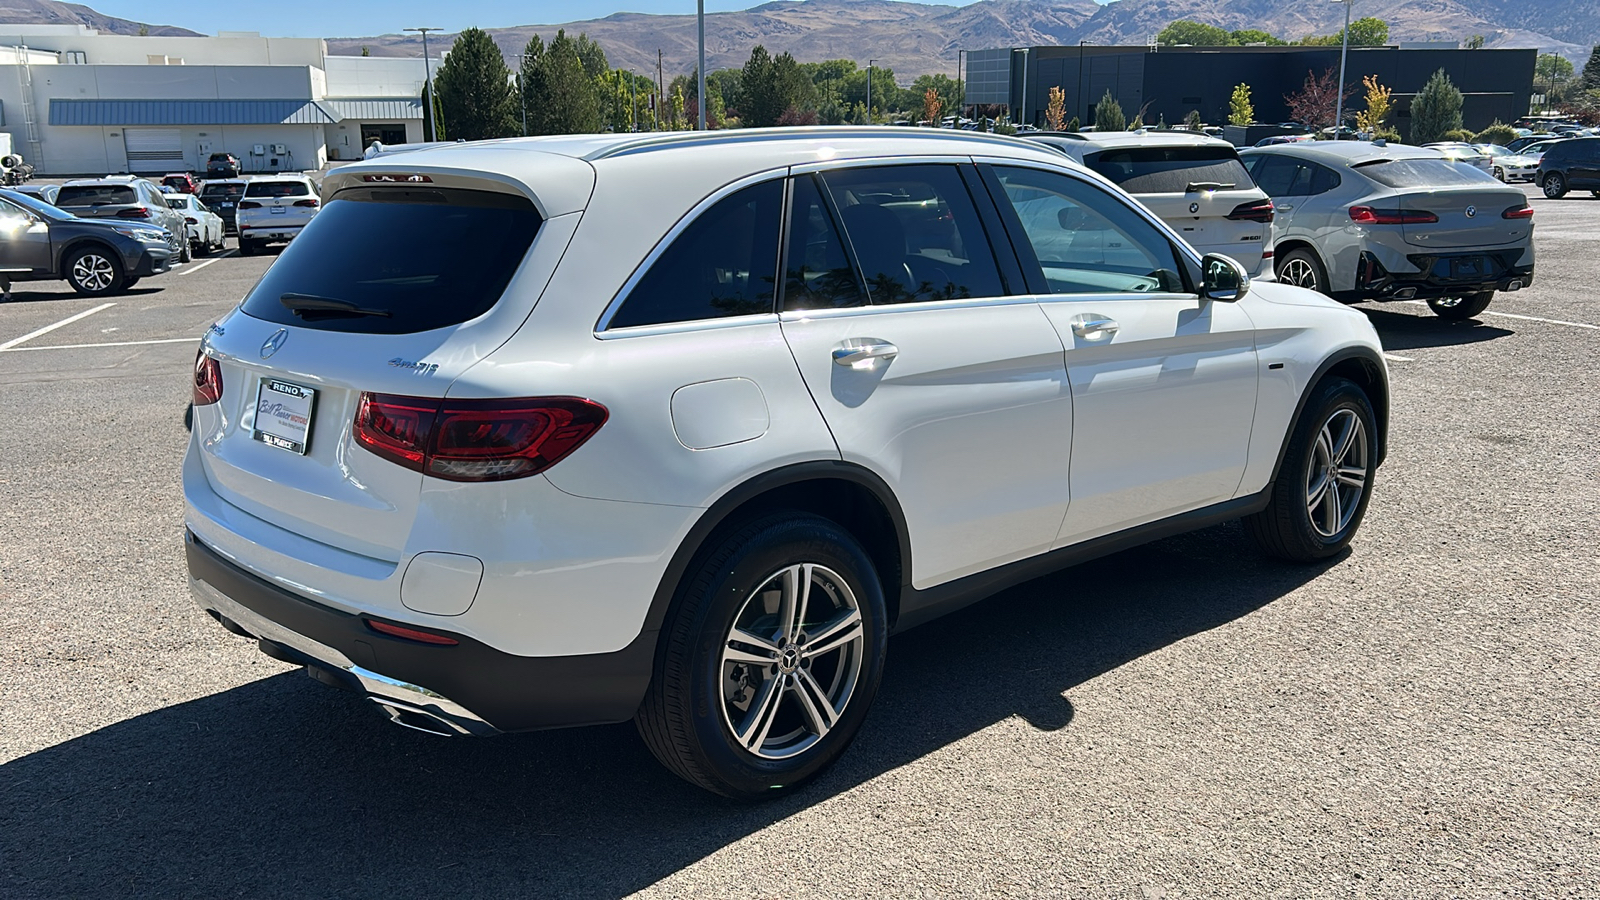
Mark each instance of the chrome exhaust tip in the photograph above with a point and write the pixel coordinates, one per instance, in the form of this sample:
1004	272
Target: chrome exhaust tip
1405	293
419	719
1514	285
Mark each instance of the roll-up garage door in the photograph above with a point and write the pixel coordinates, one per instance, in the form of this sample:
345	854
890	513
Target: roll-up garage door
154	149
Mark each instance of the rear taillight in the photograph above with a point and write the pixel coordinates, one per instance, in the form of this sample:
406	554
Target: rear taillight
207	380
1367	215
313	203
1518	212
1254	211
136	213
249	204
476	440
191	221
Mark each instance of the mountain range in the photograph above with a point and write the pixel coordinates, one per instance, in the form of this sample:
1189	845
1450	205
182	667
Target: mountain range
50	12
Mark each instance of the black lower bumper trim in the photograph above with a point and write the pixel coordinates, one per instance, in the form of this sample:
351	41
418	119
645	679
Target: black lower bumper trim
510	692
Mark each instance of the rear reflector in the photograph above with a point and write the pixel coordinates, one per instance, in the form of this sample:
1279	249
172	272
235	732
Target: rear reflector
1367	215
207	380
411	634
476	440
1254	211
1518	212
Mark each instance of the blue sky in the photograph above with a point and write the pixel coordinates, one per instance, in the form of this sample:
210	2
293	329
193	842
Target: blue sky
360	18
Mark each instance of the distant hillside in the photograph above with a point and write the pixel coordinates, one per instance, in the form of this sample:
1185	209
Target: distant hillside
916	38
50	12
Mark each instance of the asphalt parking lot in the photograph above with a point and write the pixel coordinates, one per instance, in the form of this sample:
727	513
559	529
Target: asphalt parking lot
1415	719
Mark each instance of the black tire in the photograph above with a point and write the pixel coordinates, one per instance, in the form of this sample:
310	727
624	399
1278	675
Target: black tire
202	248
94	271
183	252
1499	174
1302	268
1459	309
128	283
688	715
1555	186
1285	529
247	248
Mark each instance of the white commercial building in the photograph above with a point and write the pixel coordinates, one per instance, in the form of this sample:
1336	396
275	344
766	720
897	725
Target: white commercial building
77	102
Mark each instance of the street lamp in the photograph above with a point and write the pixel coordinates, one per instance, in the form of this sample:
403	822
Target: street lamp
869	90
700	88
427	82
522	95
1084	112
1022	107
1344	51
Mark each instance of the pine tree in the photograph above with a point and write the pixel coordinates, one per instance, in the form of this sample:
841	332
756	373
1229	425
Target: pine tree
1436	110
1108	114
562	97
1590	79
474	85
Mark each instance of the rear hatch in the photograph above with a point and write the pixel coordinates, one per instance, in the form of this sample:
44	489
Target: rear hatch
392	289
1450	205
98	201
1203	192
278	203
222	197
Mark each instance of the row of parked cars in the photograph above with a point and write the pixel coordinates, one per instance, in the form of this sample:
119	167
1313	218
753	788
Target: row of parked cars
1354	220
104	234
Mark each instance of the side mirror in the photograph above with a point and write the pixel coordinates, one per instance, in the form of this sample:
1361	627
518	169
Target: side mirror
1224	279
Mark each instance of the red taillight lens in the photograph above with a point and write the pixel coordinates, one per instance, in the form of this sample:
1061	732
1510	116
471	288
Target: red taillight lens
1518	212
476	440
313	203
249	204
1254	211
191	221
137	213
1367	215
411	634
207	380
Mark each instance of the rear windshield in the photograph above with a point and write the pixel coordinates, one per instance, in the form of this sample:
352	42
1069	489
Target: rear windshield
95	195
1410	173
427	258
177	202
1170	170
277	189
222	191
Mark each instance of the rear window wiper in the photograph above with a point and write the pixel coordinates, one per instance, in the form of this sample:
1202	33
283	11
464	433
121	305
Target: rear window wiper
304	304
1208	186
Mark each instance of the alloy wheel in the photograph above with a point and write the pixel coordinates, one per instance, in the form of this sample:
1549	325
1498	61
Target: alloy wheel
1337	475
1299	273
93	272
791	661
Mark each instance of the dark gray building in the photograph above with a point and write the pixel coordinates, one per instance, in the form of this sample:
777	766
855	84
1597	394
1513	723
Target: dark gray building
1496	84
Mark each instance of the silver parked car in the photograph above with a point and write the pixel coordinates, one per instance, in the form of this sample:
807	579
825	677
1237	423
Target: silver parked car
1194	182
1359	221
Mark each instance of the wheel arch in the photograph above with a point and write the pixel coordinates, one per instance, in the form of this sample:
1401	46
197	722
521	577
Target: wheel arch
851	495
1361	365
78	243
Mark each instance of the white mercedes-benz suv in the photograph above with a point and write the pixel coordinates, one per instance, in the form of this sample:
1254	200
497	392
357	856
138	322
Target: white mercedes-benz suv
680	428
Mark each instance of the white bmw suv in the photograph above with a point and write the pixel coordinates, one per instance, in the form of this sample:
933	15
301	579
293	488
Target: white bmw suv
680	428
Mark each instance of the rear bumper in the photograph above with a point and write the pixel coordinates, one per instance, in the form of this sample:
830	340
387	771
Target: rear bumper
466	689
1498	273
268	232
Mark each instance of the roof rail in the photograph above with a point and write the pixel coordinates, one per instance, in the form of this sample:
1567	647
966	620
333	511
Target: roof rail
814	132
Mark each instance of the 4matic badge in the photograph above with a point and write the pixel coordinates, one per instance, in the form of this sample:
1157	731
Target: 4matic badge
417	368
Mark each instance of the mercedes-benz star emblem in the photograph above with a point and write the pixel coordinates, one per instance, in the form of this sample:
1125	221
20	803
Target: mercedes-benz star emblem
1194	207
275	343
1472	211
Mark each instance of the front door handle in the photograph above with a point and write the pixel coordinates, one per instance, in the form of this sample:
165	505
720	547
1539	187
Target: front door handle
1093	326
859	353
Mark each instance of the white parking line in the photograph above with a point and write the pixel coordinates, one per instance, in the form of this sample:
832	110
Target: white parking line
49	328
187	340
1392	356
1546	321
190	270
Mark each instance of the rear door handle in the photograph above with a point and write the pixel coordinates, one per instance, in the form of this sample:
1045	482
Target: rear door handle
1093	326
862	351
1283	207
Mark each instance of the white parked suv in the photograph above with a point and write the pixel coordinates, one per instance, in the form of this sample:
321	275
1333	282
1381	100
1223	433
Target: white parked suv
704	418
273	210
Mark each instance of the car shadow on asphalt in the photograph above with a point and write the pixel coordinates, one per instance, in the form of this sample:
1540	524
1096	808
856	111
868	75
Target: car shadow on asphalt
1403	331
20	296
283	787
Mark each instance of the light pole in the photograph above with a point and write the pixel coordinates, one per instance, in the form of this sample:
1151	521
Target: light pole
869	90
1083	111
1022	107
1344	51
700	87
522	95
427	82
961	111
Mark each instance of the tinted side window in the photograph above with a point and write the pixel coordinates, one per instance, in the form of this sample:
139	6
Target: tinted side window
916	233
1281	176
1087	241
723	264
1323	179
818	272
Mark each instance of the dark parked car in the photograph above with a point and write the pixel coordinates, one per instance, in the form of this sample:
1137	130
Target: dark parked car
1572	164
39	242
222	165
223	198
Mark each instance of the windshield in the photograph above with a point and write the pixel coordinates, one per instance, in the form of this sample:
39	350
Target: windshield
1171	170
95	195
37	205
1410	173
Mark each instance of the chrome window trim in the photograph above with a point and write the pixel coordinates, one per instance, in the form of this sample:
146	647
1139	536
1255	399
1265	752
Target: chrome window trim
797	315
689	325
677	229
859	162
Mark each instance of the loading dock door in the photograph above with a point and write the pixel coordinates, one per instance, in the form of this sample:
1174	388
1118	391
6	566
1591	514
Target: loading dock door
154	150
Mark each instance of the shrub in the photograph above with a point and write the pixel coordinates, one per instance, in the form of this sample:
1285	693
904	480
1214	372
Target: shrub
1108	115
1458	134
1498	133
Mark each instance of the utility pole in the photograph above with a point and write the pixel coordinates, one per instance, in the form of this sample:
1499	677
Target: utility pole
1344	51
427	82
961	92
700	88
633	102
1081	110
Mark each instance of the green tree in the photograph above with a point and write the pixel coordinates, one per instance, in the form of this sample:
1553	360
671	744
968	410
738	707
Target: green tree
1591	72
1199	34
366	51
1255	36
1550	74
1436	110
475	87
1192	121
432	115
1367	32
1240	112
886	95
1380	100
943	85
769	86
1475	42
590	54
1108	114
561	96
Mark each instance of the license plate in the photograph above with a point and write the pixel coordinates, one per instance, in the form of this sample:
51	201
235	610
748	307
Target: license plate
227	205
1466	268
283	415
278	210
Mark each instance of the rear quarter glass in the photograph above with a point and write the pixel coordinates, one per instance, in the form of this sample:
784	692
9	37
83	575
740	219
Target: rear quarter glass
417	259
